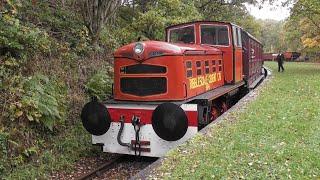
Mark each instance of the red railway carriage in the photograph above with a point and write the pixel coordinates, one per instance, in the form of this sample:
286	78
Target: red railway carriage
289	56
253	59
165	92
269	56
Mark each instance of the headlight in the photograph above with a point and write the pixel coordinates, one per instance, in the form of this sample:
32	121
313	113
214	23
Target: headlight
138	48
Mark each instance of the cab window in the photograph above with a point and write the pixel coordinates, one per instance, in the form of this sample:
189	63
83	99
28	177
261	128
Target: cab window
182	35
214	35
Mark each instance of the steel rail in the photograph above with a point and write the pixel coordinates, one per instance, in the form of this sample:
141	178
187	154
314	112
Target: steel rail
101	169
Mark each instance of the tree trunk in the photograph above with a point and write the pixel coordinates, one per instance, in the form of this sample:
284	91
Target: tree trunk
95	13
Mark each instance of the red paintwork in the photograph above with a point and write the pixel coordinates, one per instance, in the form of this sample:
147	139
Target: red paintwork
227	50
268	57
289	56
174	57
253	60
238	63
145	115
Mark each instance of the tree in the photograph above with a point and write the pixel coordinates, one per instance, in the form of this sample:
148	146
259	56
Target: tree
158	15
292	35
306	16
271	35
95	13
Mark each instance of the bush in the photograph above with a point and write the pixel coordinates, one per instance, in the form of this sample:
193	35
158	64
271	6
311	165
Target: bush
42	101
62	24
3	152
99	84
17	38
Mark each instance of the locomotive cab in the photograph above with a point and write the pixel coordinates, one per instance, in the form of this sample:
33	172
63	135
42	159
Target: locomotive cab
221	35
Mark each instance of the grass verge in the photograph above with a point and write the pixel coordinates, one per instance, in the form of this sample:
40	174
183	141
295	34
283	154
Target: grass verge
277	137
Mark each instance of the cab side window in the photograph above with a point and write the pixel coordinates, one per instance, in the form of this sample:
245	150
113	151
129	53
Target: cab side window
236	31
214	35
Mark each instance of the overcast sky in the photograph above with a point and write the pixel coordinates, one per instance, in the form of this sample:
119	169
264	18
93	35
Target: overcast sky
275	11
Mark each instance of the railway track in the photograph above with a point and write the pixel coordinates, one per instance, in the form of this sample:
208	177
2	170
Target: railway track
119	167
103	168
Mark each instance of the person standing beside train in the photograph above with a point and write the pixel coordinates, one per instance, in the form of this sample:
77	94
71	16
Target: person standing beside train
280	59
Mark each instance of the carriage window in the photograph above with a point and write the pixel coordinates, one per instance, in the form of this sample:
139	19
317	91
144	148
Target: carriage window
189	65
214	35
220	64
206	63
198	63
207	70
213	65
189	73
182	35
214	69
189	69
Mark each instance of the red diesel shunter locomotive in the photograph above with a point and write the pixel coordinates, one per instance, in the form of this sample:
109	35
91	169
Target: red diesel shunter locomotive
165	92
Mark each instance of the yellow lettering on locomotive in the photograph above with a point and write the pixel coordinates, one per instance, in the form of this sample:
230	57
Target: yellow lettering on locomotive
204	80
193	83
219	76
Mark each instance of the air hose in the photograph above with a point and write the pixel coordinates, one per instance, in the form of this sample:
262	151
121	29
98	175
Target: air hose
120	132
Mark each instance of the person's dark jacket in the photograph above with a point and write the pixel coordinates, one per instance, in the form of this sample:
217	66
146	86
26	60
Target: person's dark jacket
280	57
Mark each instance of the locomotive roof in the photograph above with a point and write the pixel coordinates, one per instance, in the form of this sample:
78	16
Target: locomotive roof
198	22
225	22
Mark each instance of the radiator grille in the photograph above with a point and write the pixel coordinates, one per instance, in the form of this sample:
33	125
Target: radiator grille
143	69
144	86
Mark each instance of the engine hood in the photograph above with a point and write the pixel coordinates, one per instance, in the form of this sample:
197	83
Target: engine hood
160	48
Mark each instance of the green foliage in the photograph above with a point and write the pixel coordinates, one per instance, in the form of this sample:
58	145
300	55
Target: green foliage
34	38
111	40
3	152
59	154
42	101
17	38
99	85
292	35
11	83
305	15
63	24
151	24
272	36
39	28
33	99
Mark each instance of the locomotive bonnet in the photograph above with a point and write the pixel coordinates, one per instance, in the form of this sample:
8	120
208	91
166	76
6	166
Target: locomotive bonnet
165	92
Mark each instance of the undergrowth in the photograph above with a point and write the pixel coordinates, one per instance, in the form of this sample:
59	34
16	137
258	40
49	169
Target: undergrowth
45	58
